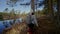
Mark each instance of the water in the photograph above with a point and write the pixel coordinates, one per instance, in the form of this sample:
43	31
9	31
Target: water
2	27
7	22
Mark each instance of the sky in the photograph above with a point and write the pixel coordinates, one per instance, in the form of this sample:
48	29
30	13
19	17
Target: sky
3	5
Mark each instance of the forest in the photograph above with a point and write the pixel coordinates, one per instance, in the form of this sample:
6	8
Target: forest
48	17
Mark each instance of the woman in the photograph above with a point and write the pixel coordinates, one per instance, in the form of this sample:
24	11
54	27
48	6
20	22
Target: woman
31	22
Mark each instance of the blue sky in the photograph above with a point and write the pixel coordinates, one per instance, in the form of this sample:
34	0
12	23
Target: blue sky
18	7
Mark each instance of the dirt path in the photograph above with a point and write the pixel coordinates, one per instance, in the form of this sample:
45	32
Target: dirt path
45	27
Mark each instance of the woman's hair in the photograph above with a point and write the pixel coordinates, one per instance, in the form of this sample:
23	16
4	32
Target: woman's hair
32	13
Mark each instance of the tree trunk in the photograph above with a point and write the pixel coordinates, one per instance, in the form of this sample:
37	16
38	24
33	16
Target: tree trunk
50	9
45	3
32	6
58	11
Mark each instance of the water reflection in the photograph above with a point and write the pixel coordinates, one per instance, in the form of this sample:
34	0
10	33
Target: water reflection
7	23
2	27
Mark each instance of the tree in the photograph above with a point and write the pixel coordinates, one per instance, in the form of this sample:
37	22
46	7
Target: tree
12	3
58	11
32	5
1	17
12	13
6	10
50	9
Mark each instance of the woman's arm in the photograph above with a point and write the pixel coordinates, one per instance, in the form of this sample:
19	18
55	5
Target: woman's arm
35	21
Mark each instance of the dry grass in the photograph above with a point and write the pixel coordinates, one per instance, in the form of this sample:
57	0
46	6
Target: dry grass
16	29
45	27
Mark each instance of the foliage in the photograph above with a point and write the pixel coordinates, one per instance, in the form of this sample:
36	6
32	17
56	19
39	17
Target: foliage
1	17
12	3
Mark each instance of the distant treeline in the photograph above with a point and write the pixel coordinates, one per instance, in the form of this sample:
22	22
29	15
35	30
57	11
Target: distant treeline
7	15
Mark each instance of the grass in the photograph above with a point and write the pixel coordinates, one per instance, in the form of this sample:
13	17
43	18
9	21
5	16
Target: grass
45	27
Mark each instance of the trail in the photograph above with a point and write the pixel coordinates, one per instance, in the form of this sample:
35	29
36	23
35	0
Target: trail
45	27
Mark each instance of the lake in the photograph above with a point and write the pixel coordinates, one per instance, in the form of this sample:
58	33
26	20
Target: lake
7	22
